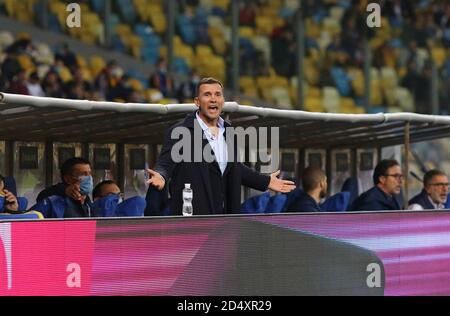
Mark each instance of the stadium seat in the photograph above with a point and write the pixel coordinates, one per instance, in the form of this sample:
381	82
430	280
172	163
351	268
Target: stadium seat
331	99
338	202
276	203
255	204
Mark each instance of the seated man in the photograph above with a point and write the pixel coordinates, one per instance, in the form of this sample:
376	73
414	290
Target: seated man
10	203
388	179
76	185
314	183
106	188
434	192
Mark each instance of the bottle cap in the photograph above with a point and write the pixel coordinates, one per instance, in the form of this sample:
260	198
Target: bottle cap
187	185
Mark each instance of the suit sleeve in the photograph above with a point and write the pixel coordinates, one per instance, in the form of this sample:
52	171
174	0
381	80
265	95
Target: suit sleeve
165	163
253	179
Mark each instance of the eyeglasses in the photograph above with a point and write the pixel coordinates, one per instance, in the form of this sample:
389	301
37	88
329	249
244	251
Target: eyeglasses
396	176
440	184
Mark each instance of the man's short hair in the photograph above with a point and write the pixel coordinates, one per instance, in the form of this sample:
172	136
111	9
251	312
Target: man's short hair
97	192
382	168
311	178
208	80
67	166
428	176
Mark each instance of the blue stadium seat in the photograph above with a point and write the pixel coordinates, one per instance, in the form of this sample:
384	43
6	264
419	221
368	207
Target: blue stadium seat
341	80
351	185
256	204
98	6
186	29
23	203
180	65
338	202
276	203
10	184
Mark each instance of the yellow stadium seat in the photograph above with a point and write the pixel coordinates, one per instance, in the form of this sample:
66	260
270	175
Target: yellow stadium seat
331	99
314	105
97	64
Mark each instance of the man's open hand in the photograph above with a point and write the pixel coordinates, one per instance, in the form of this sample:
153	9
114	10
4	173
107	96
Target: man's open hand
279	185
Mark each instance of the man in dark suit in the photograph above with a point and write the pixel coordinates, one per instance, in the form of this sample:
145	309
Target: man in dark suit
385	195
434	193
216	185
314	182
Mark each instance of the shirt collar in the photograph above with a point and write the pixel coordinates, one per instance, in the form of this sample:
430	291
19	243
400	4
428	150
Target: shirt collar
220	123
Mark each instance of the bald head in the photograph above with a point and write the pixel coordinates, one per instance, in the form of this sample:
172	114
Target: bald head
312	178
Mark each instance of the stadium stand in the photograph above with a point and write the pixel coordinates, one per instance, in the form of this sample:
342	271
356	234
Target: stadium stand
405	50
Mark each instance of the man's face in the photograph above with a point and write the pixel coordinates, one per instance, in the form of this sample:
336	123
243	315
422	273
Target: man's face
108	189
210	101
78	171
437	189
391	182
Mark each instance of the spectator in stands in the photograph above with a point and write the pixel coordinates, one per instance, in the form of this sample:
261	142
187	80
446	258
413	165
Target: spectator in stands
186	90
419	83
76	184
216	185
161	80
67	56
34	85
107	79
314	182
77	88
283	50
247	13
10	201
388	179
106	188
122	90
52	85
10	66
434	192
19	84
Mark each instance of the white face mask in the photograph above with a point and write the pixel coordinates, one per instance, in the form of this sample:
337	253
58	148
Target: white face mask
120	200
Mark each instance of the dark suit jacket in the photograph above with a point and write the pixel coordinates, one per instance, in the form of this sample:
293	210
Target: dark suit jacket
423	200
304	203
376	200
212	192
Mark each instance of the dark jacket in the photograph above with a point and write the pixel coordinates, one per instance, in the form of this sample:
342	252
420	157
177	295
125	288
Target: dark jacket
74	208
376	200
304	203
423	200
213	193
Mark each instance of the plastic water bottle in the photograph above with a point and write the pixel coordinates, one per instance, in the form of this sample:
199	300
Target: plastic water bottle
187	200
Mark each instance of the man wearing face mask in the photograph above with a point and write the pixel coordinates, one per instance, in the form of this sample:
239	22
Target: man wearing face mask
105	188
314	182
76	186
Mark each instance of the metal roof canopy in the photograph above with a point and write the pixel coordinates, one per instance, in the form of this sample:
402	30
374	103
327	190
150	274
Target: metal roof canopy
27	118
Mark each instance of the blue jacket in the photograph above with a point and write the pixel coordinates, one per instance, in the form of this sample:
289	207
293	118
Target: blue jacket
423	200
304	203
376	200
